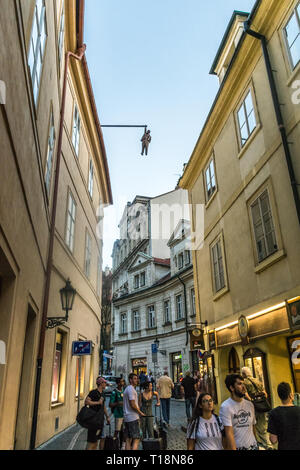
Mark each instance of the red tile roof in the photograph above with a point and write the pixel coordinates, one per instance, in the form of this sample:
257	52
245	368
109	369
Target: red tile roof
164	262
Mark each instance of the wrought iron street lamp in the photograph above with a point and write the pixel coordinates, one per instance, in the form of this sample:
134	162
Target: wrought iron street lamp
67	296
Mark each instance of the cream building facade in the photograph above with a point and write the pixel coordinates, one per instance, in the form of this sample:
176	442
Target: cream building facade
37	34
245	171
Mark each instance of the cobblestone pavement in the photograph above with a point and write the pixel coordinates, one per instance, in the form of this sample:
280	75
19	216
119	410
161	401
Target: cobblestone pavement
74	438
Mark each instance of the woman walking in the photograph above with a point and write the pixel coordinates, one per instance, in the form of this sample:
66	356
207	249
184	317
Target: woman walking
145	404
205	432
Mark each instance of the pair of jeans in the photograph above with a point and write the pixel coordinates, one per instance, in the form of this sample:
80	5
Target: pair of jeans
189	402
165	408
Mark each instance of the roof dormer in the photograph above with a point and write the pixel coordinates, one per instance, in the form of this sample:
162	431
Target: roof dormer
229	44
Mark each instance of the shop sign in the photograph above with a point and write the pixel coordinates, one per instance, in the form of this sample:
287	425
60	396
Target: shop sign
212	340
197	339
139	362
178	357
293	309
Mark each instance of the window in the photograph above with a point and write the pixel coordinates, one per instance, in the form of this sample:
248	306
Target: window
218	266
167	311
61	33
180	261
179	308
136	320
71	214
255	359
88	254
80	365
210	180
50	153
99	272
151	317
246	118
193	302
187	257
76	130
123	323
91	178
292	36
294	350
142	279
56	376
37	46
136	281
263	226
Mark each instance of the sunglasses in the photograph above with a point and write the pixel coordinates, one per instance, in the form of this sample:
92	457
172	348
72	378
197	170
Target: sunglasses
208	401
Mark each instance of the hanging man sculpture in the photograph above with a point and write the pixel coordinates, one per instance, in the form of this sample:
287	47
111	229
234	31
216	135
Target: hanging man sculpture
146	139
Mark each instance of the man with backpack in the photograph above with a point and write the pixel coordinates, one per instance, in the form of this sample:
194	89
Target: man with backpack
96	401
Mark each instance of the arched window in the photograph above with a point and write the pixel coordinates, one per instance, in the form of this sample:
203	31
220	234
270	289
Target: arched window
234	362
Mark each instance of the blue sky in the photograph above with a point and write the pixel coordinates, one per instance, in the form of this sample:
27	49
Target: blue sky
149	64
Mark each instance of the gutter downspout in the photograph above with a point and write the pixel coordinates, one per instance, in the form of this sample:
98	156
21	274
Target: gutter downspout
78	56
185	310
278	113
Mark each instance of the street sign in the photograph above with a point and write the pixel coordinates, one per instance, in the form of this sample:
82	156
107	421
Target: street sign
81	348
154	347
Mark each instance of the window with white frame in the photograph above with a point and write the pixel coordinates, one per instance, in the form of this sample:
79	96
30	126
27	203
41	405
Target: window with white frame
136	320
91	178
142	279
187	257
136	281
50	154
218	265
61	33
151	317
210	179
193	302
88	254
37	46
263	226
179	307
180	261
123	323
292	36
246	118
76	130
70	226
167	311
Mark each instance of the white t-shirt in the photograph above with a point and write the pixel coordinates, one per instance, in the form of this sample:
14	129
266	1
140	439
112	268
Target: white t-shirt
208	435
241	416
129	414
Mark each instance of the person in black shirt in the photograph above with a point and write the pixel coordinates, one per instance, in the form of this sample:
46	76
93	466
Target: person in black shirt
95	400
284	421
189	386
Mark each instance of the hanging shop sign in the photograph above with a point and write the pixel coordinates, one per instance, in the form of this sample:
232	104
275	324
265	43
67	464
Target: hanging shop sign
212	340
197	339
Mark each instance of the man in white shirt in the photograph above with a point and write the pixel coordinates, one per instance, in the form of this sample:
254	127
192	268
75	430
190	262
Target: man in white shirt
132	414
238	416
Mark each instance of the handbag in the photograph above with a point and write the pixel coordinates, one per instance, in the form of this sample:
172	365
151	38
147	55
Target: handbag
90	419
260	401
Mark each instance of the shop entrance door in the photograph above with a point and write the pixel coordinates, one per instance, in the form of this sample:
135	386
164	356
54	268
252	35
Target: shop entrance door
176	367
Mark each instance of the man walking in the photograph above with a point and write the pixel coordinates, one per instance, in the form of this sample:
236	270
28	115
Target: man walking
238	416
96	400
164	387
189	388
132	414
284	421
116	405
253	388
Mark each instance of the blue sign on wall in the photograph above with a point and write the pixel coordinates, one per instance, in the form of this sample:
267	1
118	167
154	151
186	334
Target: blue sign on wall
82	348
154	348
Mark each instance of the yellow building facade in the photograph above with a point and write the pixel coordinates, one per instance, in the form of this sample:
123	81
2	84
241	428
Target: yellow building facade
37	34
245	171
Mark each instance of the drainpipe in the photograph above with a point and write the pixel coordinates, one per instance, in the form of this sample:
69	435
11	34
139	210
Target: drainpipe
185	310
278	113
78	56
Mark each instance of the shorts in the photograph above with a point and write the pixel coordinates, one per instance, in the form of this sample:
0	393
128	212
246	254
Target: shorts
118	424
94	436
132	430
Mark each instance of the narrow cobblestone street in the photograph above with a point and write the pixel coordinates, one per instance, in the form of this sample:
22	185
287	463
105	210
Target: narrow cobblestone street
74	438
